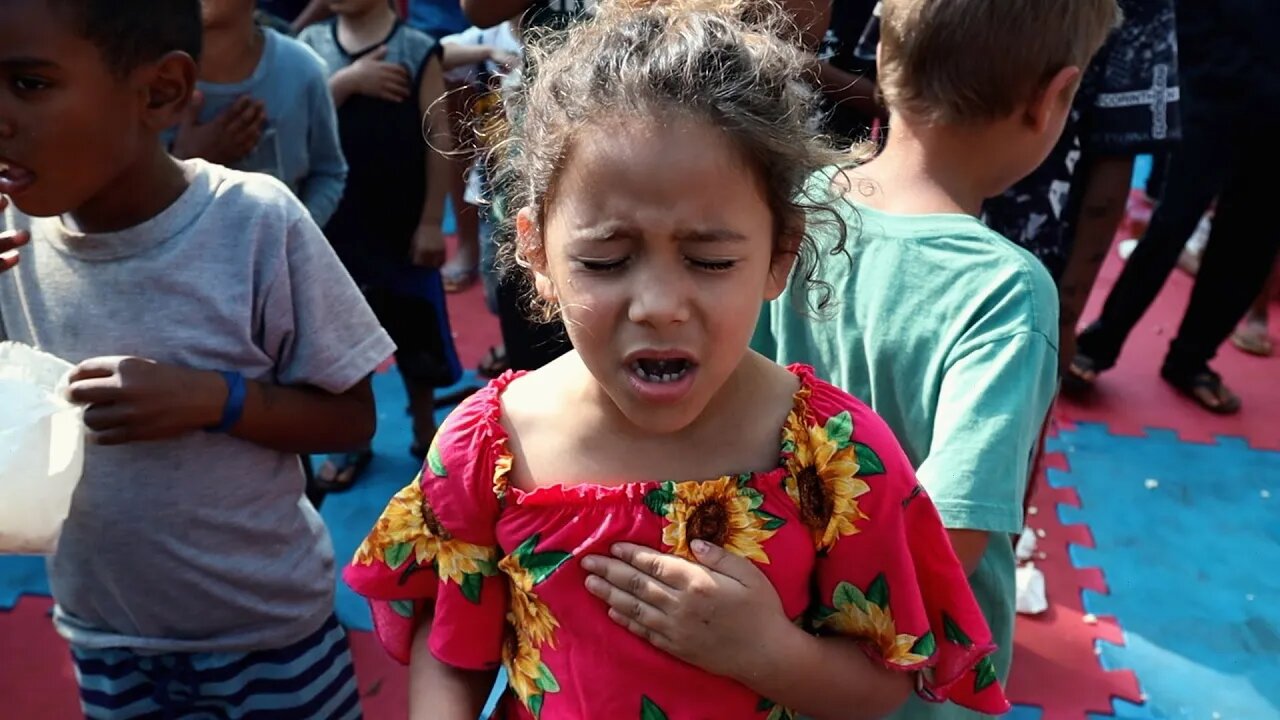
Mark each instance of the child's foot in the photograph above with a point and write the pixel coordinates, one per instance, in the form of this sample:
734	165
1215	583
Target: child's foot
1189	262
1251	336
463	269
457	280
1206	388
1080	375
341	470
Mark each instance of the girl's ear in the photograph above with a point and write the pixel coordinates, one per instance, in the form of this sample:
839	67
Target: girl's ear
779	272
785	252
531	253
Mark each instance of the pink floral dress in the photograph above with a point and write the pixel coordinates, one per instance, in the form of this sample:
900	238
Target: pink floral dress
841	528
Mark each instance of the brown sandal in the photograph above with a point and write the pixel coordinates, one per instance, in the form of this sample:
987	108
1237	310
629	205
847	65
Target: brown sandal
1206	388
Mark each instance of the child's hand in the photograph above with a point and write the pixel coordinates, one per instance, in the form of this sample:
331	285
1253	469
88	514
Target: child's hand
503	59
132	400
10	241
717	615
371	75
226	139
428	246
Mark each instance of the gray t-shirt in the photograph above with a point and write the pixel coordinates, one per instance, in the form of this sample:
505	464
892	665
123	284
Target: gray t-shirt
299	143
204	543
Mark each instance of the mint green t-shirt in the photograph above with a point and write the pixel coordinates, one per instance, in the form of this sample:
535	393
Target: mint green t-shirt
949	332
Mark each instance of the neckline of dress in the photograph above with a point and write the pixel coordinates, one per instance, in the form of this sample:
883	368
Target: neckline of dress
584	493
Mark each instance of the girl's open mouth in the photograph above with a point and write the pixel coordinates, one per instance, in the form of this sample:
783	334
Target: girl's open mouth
661	371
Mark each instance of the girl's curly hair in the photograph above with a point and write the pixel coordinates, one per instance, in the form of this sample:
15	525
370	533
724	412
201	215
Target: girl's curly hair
735	64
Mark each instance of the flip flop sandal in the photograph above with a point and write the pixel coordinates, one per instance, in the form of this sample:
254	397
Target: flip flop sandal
352	463
1199	384
1080	375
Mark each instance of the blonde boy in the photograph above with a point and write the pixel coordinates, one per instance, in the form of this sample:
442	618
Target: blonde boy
947	329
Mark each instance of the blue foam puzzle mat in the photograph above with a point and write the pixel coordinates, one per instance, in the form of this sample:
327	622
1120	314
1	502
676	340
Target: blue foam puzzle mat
21	576
351	514
1188	538
1123	710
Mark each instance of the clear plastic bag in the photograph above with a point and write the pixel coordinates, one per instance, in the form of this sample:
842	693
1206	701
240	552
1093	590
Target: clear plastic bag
42	440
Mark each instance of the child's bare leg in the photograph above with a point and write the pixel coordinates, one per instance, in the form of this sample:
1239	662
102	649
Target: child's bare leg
462	270
422	410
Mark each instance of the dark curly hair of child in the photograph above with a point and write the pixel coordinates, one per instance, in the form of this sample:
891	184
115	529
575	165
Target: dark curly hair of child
734	64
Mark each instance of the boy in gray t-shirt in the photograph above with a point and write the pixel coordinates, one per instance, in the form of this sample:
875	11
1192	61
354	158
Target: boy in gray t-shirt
216	337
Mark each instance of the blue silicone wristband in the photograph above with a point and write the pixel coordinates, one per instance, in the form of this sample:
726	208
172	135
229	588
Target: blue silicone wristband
234	406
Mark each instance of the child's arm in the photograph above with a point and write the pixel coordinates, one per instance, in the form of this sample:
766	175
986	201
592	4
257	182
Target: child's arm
453	55
443	692
10	241
135	400
991	406
314	12
327	177
744	634
311	324
428	239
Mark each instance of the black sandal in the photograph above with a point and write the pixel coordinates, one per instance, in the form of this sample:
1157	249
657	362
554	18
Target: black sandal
1201	385
1079	377
354	463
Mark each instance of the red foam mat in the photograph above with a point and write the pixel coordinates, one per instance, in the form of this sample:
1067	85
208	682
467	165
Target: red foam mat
1055	667
37	678
1131	396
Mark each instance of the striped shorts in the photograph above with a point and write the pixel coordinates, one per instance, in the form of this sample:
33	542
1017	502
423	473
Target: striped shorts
309	680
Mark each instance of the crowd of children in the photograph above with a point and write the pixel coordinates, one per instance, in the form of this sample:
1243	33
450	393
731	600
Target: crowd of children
676	504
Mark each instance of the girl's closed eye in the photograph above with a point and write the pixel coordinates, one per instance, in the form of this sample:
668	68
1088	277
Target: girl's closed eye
602	265
713	265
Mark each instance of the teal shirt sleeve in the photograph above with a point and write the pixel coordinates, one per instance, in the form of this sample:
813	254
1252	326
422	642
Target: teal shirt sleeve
992	405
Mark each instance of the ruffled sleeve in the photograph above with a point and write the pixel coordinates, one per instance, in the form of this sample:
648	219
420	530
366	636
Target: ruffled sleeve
434	548
886	574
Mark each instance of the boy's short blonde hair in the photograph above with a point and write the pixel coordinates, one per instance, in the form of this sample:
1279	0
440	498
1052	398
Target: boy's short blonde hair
954	61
